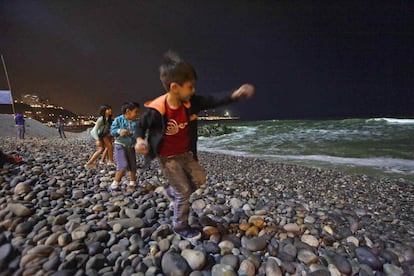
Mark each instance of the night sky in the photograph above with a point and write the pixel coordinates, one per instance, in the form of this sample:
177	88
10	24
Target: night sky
307	59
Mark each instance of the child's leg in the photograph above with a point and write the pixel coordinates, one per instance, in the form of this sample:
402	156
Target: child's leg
173	170
109	148
118	175
132	167
104	155
99	151
194	171
132	182
121	166
133	176
116	184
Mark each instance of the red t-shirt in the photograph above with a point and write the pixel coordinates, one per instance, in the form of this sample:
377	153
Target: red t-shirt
177	135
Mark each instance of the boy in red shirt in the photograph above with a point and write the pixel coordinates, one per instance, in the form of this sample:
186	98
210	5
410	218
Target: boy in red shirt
171	121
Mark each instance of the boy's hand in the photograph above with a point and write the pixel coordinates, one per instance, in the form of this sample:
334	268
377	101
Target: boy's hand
123	132
141	146
244	91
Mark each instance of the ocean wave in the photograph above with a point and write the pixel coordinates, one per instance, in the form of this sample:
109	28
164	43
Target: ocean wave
386	164
241	133
246	129
372	161
394	165
391	120
380	143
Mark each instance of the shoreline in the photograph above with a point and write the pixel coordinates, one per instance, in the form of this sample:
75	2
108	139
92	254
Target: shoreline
260	210
352	169
346	168
374	147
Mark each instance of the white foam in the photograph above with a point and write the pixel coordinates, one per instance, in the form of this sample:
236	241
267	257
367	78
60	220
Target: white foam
291	141
403	166
393	120
375	161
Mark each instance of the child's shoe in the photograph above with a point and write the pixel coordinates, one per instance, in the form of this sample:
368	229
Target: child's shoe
115	186
132	186
90	166
188	233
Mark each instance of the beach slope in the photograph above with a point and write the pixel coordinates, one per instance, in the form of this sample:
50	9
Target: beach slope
33	128
257	218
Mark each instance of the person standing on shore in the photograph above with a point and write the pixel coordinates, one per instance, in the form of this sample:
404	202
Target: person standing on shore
21	129
172	123
61	128
103	139
123	129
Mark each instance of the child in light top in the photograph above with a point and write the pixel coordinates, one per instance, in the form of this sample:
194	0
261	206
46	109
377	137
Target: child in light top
123	129
100	133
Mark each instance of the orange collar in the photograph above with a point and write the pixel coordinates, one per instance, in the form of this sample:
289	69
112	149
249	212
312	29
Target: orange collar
159	103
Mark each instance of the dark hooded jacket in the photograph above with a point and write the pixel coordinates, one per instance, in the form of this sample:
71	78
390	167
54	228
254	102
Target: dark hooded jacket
153	122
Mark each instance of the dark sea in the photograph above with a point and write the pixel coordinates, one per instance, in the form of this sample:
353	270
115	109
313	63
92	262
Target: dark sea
376	146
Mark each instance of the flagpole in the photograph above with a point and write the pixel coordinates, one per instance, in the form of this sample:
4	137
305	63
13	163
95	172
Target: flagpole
8	82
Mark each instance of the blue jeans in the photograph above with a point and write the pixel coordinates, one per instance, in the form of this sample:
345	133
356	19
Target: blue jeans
185	175
20	131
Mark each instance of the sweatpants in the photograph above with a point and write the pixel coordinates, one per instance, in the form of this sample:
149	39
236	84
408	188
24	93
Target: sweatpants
185	175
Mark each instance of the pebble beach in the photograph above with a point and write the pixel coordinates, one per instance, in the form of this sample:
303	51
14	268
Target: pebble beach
257	218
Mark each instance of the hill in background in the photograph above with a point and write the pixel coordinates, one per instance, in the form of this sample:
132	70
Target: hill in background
44	114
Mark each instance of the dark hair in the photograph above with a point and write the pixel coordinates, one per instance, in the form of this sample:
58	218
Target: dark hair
174	69
102	111
129	105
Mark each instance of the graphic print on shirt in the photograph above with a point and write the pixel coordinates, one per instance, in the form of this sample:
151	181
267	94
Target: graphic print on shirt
176	139
173	127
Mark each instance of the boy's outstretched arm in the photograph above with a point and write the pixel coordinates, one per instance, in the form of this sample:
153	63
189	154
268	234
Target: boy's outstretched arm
209	102
244	91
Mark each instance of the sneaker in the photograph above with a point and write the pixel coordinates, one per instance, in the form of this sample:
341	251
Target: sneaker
115	188
90	166
131	188
189	233
111	164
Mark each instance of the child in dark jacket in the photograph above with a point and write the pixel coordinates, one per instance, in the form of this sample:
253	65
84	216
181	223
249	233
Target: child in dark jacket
171	123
